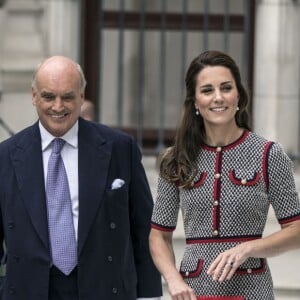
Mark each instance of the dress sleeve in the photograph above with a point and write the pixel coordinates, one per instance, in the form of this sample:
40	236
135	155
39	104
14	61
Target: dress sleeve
282	188
166	206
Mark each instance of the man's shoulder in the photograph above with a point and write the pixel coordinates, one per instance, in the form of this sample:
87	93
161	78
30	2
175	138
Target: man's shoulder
109	133
21	140
24	134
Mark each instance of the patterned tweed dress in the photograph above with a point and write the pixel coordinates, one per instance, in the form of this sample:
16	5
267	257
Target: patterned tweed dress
228	204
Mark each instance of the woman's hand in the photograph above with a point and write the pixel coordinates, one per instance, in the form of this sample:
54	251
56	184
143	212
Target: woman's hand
179	290
226	263
163	256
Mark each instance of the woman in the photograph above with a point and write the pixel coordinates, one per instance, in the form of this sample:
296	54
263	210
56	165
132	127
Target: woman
224	178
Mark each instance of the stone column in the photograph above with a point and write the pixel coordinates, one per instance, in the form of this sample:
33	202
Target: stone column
63	27
21	49
276	103
277	66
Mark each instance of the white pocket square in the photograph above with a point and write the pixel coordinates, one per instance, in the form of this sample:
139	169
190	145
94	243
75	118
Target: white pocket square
117	183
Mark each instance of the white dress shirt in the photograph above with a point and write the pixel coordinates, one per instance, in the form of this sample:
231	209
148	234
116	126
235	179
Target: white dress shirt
69	154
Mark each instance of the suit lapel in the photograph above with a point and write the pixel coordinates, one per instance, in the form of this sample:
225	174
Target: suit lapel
94	157
28	164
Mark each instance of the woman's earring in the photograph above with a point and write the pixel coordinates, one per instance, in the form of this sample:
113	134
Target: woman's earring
237	108
197	112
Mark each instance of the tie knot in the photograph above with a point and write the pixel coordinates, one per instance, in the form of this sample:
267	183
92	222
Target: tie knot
57	145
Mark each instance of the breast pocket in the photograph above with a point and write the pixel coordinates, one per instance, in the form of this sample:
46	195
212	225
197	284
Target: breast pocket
117	198
244	178
199	180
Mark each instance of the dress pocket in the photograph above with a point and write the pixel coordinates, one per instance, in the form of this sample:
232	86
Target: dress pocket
246	179
199	180
190	269
252	266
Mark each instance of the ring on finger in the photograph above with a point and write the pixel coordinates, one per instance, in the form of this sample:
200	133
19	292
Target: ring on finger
230	263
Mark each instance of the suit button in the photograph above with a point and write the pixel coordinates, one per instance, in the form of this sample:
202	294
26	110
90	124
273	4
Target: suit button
114	290
11	225
109	258
112	225
11	290
16	258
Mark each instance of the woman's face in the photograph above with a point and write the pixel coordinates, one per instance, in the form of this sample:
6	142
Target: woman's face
216	96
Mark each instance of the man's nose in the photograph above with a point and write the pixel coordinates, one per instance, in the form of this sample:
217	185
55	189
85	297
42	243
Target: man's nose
58	104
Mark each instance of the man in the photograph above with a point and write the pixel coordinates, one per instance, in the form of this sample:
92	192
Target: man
104	254
87	110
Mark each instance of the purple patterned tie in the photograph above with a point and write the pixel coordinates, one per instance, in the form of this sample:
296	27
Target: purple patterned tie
60	220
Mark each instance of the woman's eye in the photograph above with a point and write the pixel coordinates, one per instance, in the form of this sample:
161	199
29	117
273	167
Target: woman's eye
227	88
206	91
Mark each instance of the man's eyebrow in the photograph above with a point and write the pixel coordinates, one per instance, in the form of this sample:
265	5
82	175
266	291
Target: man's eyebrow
45	93
68	94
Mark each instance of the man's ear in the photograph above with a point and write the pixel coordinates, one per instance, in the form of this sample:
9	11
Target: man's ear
33	96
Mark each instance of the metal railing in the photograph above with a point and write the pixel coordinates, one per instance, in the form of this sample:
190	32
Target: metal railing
211	20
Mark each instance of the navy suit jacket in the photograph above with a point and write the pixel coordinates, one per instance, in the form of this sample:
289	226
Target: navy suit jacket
113	252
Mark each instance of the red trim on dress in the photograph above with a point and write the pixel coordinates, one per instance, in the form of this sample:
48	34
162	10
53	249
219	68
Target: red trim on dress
195	273
240	140
239	181
289	220
162	228
197	183
200	180
248	271
220	298
265	163
217	191
221	240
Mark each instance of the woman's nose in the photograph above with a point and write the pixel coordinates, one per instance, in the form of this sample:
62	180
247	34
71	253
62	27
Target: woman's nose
218	95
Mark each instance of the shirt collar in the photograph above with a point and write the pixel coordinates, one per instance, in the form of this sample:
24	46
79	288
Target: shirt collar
71	136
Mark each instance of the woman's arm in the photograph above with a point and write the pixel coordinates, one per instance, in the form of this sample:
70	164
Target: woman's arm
161	249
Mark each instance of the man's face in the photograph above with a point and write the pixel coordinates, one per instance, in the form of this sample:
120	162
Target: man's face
57	96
